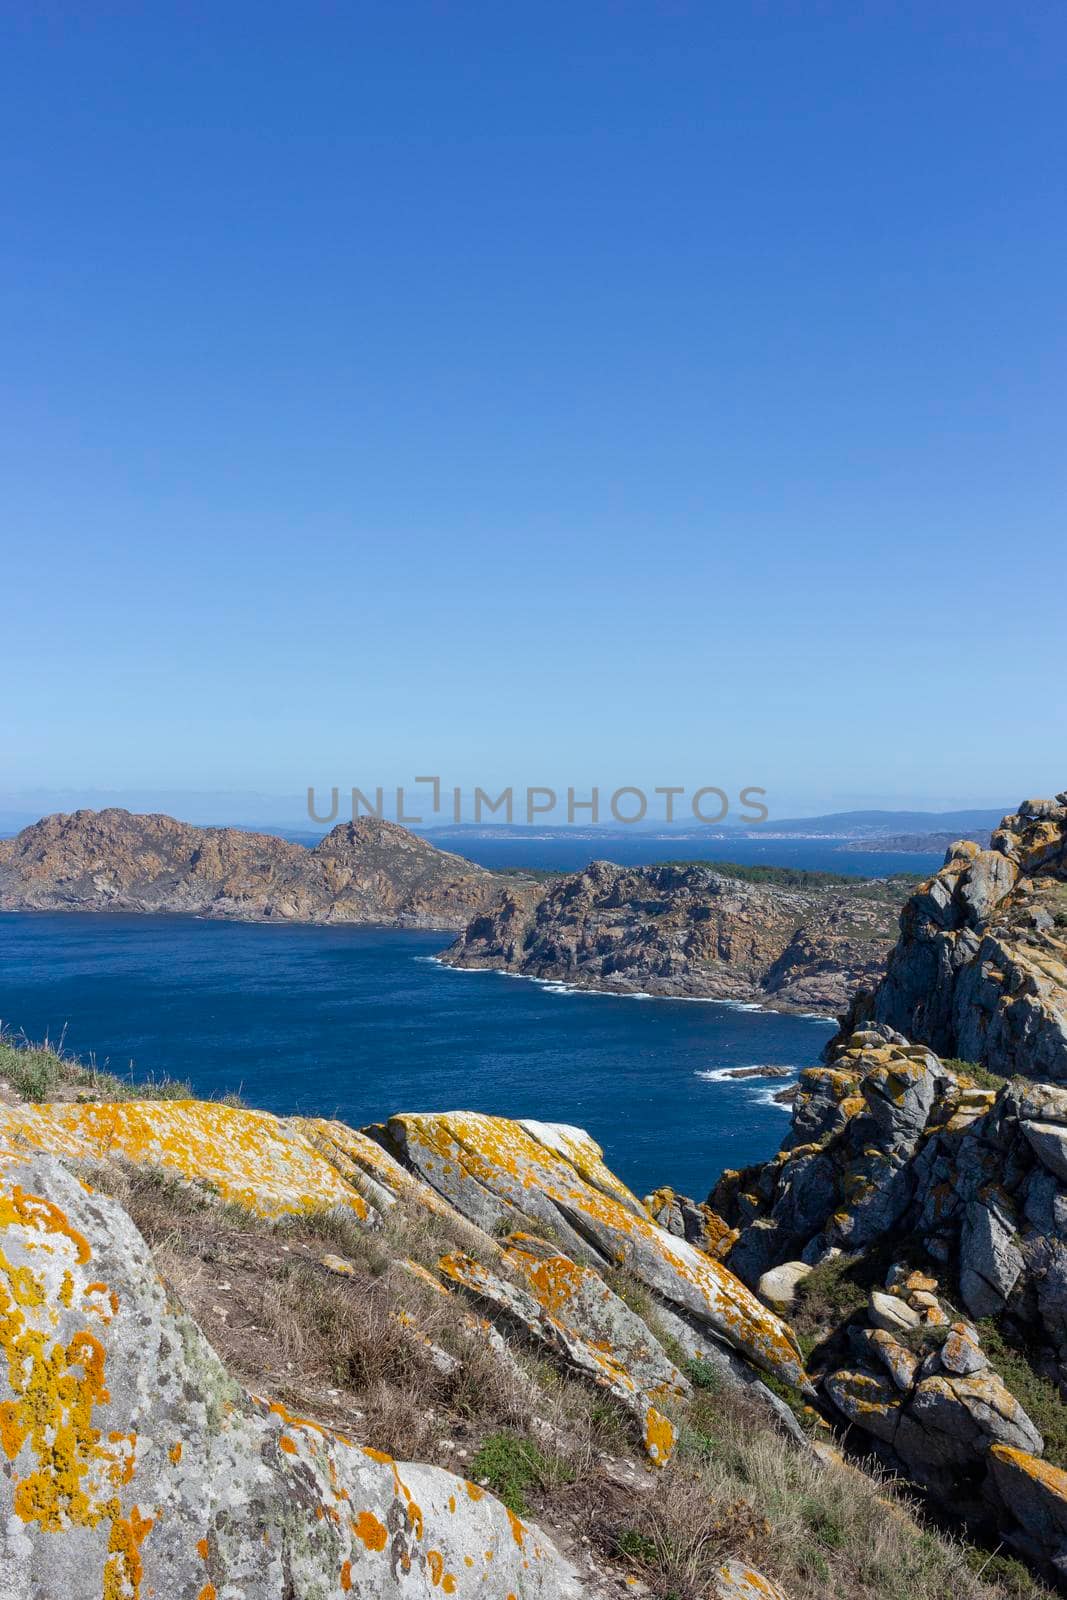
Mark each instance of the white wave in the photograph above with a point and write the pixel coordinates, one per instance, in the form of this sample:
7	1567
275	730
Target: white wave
765	1097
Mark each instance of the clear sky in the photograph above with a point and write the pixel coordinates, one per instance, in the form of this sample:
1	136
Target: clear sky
540	393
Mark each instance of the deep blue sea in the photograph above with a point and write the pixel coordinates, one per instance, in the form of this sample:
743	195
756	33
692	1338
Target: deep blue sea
361	1022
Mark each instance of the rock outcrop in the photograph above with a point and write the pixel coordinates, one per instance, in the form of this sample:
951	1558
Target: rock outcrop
894	1158
980	970
690	931
369	871
134	1464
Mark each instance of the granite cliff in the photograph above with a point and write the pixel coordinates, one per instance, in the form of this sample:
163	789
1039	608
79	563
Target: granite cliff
980	970
364	871
693	931
913	1226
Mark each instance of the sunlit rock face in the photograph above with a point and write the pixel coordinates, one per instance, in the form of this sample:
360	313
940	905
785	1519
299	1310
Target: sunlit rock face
980	969
135	1466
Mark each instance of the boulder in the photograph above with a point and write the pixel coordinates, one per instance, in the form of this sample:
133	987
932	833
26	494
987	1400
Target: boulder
990	1260
491	1168
961	1352
893	1315
1034	1494
135	1466
578	1298
557	1334
780	1284
248	1158
736	1580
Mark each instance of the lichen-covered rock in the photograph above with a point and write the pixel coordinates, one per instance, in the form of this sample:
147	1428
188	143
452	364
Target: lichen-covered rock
578	1297
845	1175
133	1465
736	1580
691	1220
495	1171
555	1330
1034	1495
940	1415
268	1164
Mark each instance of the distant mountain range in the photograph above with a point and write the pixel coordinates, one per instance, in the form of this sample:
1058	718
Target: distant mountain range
833	825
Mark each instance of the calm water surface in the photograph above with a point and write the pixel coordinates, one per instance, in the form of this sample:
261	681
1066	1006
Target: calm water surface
359	1022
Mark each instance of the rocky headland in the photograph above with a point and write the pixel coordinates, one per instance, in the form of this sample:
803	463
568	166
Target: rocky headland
368	871
282	1358
692	931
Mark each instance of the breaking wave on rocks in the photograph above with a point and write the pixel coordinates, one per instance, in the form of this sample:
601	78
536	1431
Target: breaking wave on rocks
763	1094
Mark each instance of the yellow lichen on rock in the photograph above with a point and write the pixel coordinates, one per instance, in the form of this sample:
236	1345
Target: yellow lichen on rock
475	1159
249	1158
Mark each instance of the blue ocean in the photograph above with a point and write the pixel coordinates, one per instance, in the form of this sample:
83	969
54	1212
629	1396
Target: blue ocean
361	1022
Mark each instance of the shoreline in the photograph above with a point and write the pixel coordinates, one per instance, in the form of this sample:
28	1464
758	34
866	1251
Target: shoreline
568	986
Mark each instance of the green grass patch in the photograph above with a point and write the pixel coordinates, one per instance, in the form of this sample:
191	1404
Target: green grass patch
1038	1395
830	1294
702	1375
38	1072
513	1467
636	1546
981	1076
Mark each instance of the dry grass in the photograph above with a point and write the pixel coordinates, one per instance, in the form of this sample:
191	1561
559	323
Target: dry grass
332	1347
736	1487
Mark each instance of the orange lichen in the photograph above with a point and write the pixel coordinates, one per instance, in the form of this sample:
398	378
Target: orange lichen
268	1165
371	1530
124	1569
203	1549
346	1576
175	1451
518	1531
659	1437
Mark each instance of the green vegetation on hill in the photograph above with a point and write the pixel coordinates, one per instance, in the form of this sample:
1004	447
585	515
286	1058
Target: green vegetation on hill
898	885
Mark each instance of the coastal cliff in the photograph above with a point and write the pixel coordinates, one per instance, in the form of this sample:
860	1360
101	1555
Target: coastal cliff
449	1355
980	970
453	1354
913	1225
693	931
368	871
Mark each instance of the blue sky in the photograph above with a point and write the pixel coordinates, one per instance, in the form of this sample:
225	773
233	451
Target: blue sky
561	393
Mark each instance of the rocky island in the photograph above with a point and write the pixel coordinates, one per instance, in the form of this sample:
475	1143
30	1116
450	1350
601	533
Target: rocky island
693	930
365	871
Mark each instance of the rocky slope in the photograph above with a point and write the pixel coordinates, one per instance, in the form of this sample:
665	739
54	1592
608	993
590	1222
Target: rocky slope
914	1223
367	871
134	1464
689	930
980	971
